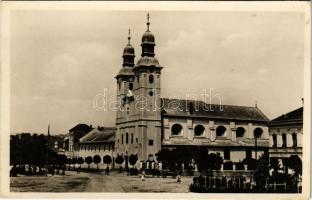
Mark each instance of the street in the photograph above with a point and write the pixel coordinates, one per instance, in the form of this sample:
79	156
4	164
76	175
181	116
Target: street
98	182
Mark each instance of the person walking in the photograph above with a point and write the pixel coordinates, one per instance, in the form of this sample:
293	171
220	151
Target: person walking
143	175
78	170
179	178
107	171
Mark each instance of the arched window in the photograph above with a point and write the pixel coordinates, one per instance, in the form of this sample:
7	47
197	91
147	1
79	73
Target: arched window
176	129
220	131
151	78
240	131
131	138
127	138
121	138
128	110
258	133
294	139
274	137
199	130
130	86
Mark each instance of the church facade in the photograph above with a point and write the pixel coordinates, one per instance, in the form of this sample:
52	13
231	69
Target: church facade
147	123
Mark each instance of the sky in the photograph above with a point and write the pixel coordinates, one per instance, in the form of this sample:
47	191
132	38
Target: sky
61	60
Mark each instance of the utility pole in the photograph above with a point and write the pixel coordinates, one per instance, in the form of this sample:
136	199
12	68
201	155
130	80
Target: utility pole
47	146
256	148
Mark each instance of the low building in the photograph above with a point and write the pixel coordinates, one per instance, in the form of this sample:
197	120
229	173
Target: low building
99	141
74	135
286	133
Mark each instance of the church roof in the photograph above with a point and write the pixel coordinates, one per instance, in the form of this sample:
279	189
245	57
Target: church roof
181	107
148	61
125	71
81	127
100	134
295	116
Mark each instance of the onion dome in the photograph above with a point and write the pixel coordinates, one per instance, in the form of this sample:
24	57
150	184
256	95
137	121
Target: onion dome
148	41
148	37
128	54
128	50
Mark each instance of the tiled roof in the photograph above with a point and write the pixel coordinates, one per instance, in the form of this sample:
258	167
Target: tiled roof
181	107
81	127
105	134
125	71
295	116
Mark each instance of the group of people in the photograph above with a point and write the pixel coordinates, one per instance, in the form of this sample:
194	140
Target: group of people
143	177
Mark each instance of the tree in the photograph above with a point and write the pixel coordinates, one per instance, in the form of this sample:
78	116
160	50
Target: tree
251	163
133	159
80	161
216	161
74	162
275	165
119	160
62	159
207	161
107	159
169	158
262	172
97	160
69	162
295	163
88	161
228	165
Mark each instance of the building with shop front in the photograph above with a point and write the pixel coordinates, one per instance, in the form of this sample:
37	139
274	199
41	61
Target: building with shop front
286	132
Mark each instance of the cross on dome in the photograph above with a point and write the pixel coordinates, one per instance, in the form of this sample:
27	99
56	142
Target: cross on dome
129	36
148	23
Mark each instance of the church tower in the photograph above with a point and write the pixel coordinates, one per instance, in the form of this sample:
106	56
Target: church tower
138	120
147	91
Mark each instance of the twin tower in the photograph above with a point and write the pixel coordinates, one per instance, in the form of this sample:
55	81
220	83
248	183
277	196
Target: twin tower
138	117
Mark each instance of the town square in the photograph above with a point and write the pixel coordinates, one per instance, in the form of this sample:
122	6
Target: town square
157	102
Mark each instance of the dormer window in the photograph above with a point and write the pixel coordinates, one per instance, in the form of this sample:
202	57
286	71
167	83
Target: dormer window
176	129
221	131
199	130
258	133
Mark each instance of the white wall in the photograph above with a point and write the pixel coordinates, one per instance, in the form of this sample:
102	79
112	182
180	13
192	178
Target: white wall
210	129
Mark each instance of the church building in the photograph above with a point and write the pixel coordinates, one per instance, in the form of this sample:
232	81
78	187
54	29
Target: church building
147	123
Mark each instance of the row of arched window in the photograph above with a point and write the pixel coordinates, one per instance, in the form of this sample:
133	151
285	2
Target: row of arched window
199	130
